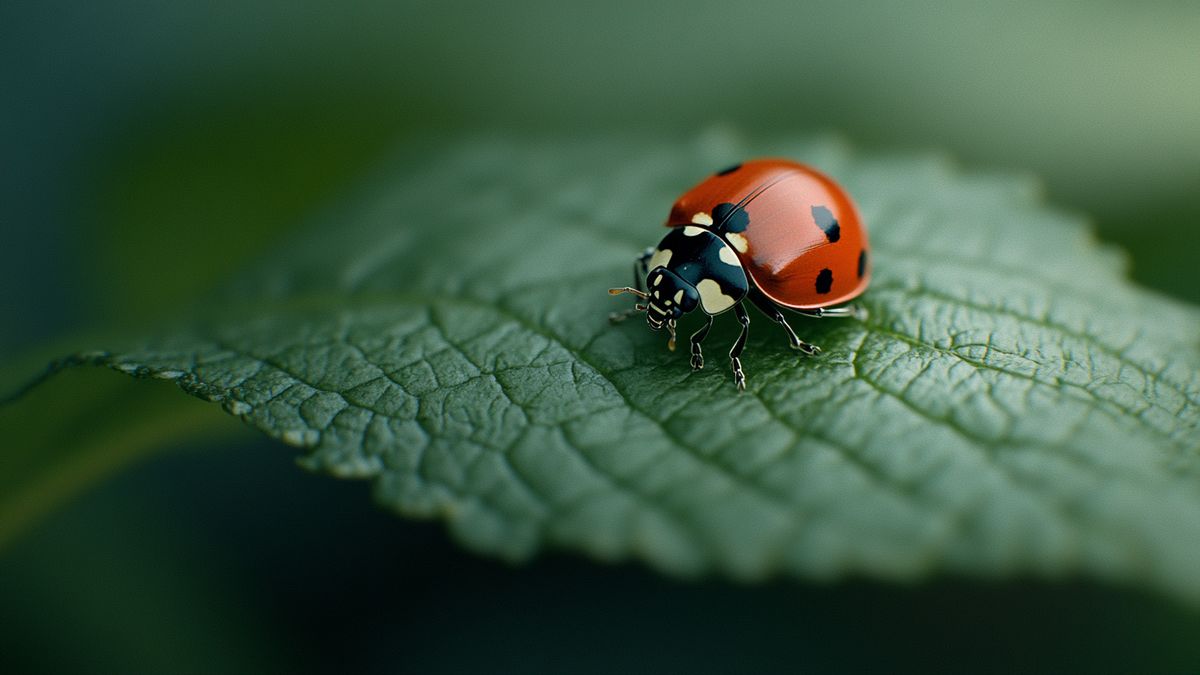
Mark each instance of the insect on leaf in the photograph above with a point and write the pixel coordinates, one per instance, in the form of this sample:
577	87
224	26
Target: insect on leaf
1011	405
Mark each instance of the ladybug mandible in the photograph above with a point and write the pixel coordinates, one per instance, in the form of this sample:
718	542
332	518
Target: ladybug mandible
772	231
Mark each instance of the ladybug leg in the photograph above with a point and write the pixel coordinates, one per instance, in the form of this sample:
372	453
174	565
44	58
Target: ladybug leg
739	377
696	339
618	317
772	310
848	312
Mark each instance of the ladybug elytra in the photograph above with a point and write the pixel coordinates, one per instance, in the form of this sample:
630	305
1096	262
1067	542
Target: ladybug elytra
772	231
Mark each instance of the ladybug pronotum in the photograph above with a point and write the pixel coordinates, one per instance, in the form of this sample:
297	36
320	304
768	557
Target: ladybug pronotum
772	231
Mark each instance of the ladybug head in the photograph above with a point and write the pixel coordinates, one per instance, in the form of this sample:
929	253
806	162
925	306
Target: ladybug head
669	297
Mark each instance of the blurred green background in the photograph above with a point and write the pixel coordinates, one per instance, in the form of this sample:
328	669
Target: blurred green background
151	149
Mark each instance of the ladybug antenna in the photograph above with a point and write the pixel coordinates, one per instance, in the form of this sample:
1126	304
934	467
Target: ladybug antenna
618	291
671	329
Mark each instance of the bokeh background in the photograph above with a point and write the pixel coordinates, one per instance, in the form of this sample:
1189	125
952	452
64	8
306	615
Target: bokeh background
150	149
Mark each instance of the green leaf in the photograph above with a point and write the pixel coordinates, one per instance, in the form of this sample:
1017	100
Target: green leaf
1012	405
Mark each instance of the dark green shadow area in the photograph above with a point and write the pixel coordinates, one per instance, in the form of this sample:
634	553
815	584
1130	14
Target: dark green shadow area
226	558
187	193
76	430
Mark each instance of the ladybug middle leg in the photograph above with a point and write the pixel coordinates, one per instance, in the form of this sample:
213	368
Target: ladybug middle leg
739	377
776	314
848	312
696	339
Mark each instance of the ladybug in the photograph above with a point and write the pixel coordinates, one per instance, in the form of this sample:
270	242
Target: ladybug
772	231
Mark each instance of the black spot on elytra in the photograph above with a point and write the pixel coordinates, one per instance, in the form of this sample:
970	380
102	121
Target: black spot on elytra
827	223
730	217
862	262
824	281
729	169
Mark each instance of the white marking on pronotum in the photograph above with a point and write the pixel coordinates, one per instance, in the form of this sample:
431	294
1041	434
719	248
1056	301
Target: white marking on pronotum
702	218
692	230
660	258
712	298
657	281
738	241
728	257
679	295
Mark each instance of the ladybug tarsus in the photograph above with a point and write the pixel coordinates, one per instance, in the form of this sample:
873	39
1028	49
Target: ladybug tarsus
618	317
806	349
696	339
849	312
739	377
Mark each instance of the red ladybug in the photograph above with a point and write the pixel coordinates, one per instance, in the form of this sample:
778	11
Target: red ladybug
775	232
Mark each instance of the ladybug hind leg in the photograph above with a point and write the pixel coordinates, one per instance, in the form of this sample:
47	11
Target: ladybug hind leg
776	314
696	339
847	312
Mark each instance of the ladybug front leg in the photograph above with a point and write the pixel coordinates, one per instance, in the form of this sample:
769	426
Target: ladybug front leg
696	339
739	377
772	310
618	317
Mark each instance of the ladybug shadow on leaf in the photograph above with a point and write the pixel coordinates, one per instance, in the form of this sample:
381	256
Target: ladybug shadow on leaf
767	348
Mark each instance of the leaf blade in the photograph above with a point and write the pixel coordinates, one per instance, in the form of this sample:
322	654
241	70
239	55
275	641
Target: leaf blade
1011	406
